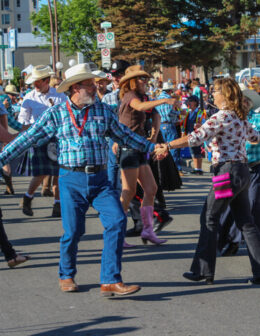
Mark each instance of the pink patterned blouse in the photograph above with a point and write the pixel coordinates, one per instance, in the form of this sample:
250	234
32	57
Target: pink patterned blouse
228	135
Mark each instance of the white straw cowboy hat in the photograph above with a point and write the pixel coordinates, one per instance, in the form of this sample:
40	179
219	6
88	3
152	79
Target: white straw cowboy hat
10	88
78	73
251	94
167	86
132	72
39	72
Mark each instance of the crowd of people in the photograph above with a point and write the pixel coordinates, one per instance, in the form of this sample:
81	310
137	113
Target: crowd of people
113	141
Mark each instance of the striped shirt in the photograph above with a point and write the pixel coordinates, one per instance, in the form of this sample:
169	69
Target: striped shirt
112	99
73	150
166	111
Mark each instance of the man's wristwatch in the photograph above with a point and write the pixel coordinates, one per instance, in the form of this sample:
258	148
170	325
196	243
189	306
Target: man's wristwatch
168	146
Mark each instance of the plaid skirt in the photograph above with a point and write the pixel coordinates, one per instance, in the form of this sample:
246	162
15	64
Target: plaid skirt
35	162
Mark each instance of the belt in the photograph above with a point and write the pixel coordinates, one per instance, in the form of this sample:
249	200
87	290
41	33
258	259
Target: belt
166	122
86	169
229	161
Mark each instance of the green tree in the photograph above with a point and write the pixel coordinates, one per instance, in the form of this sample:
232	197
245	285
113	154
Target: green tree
75	25
141	30
17	77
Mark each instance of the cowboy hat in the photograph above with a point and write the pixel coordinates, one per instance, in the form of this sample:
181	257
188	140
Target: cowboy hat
132	72
11	89
78	73
39	72
167	86
251	94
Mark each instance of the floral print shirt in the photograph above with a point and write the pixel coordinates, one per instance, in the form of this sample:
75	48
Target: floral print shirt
227	134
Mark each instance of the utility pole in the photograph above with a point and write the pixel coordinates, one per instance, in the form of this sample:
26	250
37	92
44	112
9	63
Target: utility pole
56	31
2	53
52	38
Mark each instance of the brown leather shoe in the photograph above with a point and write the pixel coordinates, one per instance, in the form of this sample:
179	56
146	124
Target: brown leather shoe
68	285
118	289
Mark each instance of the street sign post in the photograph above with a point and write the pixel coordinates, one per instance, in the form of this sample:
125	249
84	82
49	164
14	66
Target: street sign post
101	41
106	58
3	46
106	25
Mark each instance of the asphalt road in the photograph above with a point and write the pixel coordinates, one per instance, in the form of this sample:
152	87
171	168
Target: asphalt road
32	304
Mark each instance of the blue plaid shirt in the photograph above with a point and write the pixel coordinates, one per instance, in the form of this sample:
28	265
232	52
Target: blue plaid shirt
75	151
253	151
112	99
12	122
166	111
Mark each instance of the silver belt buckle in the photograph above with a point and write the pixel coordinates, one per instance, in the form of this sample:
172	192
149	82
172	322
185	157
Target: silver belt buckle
87	169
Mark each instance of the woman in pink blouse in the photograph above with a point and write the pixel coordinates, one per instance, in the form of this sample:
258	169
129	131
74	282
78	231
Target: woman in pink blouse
228	131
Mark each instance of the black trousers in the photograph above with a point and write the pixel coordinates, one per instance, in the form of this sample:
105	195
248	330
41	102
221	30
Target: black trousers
204	261
5	245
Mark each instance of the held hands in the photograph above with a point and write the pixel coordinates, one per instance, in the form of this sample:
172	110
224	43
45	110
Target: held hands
160	151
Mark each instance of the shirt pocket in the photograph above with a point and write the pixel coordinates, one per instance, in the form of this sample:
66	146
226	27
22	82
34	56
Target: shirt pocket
96	129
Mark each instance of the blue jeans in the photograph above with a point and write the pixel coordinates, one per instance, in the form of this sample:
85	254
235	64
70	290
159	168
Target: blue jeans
78	191
169	133
204	261
113	170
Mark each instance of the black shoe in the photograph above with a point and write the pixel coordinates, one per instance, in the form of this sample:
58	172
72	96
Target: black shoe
231	250
200	172
26	205
196	277
158	226
254	281
134	232
196	172
56	210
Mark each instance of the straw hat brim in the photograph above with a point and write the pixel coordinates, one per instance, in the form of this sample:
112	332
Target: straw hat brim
66	84
134	74
12	92
30	79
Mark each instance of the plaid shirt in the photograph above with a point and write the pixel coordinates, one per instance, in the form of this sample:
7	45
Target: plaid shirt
253	151
166	111
75	151
12	122
112	99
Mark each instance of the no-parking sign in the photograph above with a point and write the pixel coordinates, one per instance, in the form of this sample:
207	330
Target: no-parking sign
101	40
106	58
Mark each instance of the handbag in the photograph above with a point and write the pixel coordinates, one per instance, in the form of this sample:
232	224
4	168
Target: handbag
222	186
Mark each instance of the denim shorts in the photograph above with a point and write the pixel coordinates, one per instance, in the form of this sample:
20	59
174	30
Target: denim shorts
196	152
132	158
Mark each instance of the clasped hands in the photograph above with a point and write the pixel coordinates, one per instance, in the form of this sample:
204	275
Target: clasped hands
160	152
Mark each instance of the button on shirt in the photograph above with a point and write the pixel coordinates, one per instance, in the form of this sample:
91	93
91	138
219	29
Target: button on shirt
166	111
75	151
35	103
228	136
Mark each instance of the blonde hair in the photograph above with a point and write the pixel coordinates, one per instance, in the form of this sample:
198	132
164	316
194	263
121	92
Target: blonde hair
233	96
55	81
128	85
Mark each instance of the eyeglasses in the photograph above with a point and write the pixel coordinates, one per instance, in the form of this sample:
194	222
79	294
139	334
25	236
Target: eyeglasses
144	79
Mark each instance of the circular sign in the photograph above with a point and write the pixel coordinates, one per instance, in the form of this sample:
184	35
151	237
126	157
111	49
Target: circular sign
105	52
101	37
110	36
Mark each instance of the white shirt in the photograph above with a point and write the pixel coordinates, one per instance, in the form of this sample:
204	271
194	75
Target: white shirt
35	103
228	135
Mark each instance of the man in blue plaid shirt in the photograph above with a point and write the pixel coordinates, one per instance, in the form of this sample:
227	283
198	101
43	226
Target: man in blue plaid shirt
80	126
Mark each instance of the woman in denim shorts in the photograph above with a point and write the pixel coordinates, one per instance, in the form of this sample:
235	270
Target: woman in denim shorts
228	131
134	164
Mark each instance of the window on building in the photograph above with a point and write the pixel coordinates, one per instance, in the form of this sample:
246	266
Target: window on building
18	17
5	4
5	30
18	3
5	19
35	29
34	3
19	30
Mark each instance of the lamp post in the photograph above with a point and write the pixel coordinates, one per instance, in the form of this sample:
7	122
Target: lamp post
2	53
